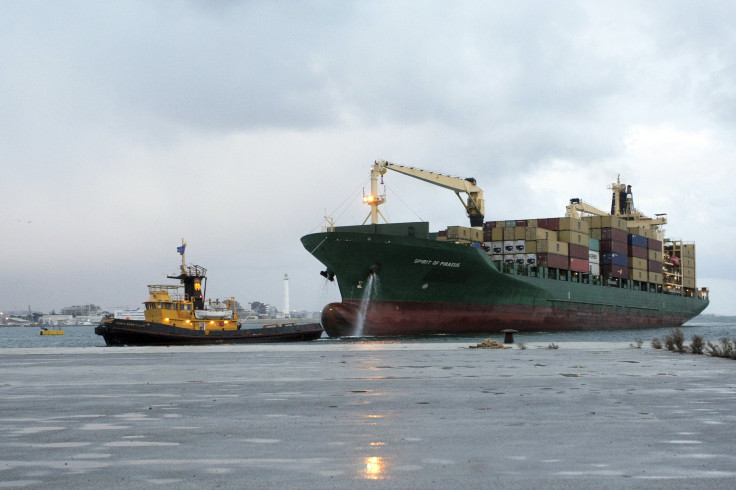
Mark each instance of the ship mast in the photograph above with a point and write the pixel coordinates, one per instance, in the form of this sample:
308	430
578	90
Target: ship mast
374	199
182	251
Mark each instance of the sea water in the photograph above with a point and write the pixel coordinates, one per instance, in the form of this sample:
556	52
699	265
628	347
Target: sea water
710	327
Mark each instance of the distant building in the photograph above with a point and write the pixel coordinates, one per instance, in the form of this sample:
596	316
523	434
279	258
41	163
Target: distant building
81	310
55	319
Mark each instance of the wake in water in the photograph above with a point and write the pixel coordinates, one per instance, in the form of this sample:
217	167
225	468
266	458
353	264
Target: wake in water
369	287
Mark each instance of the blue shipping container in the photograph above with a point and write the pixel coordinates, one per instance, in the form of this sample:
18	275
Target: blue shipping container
637	240
614	259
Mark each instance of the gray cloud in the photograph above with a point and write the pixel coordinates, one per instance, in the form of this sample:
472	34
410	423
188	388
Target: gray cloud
129	125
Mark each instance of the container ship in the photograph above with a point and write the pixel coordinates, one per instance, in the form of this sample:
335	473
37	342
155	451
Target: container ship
587	270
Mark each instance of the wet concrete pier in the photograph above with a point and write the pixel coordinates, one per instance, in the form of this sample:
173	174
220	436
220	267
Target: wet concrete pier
394	415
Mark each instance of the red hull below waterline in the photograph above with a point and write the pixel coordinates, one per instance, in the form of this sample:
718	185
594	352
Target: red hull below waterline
391	318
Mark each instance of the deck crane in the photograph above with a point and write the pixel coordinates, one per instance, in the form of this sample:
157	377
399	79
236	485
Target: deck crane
474	204
622	205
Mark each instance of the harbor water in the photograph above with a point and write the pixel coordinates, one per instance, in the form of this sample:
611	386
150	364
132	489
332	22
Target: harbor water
710	327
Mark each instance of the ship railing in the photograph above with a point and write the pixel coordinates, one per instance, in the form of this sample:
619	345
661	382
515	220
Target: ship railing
196	271
513	268
175	291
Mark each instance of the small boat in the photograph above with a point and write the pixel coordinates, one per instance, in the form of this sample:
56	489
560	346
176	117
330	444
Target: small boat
180	315
46	331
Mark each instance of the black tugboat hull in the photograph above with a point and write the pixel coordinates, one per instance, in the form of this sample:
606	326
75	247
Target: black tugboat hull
138	332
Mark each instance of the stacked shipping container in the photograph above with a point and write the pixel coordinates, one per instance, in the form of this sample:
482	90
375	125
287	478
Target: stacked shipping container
599	245
654	260
678	261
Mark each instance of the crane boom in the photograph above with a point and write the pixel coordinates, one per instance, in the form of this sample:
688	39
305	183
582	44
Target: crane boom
474	204
622	205
577	207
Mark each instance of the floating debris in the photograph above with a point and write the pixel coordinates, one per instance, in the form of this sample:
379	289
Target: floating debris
489	344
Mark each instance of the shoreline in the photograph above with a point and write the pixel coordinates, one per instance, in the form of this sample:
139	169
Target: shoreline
316	346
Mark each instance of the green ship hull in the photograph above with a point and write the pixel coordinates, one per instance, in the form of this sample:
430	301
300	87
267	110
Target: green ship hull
394	285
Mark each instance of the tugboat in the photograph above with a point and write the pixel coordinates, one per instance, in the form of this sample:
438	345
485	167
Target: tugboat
179	314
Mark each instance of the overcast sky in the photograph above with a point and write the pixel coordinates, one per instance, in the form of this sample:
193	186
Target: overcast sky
129	125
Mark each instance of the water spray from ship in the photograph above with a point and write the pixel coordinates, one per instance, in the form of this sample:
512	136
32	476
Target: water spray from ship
369	287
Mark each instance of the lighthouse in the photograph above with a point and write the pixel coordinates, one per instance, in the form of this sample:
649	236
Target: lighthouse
286	296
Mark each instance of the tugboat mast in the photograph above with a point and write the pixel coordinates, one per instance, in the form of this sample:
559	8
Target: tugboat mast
182	251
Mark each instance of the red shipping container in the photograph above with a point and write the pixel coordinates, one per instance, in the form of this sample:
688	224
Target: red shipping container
489	224
487	237
610	246
578	251
552	260
654	266
638	252
614	234
521	222
614	271
549	223
653	244
578	265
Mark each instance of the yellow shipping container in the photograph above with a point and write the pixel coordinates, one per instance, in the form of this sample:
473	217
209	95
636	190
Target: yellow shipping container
639	275
637	263
573	224
595	233
574	237
497	234
531	246
520	233
476	235
458	232
593	221
613	222
655	277
553	247
688	272
642	231
688	250
655	255
532	223
688	263
688	282
534	233
508	233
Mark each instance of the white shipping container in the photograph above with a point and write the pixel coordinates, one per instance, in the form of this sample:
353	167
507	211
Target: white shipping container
519	246
520	259
595	269
497	257
508	258
594	257
531	259
508	246
497	247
